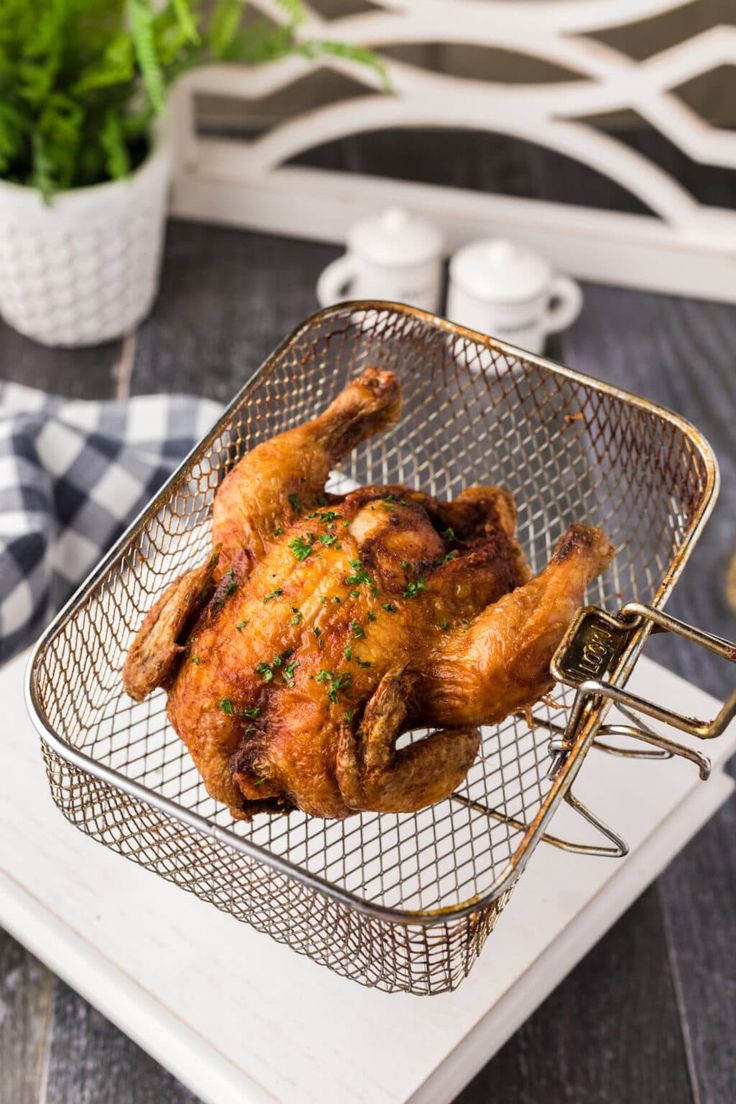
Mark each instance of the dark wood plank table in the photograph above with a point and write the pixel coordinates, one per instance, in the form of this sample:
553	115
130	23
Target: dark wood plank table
650	1014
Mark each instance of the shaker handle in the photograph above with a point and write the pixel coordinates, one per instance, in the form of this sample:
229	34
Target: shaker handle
333	280
569	301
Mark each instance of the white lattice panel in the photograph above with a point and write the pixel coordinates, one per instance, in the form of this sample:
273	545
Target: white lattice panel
682	246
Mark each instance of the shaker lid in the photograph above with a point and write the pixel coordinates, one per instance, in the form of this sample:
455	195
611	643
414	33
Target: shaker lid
500	271
395	237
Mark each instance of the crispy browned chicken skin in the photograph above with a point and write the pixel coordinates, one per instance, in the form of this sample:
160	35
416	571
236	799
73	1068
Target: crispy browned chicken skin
320	630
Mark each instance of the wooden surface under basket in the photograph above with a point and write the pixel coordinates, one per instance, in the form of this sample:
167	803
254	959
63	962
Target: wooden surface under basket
399	902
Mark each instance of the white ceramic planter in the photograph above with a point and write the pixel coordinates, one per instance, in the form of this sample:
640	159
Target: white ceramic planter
85	267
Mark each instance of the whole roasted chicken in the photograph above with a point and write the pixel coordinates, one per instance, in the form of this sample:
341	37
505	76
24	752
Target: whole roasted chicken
322	628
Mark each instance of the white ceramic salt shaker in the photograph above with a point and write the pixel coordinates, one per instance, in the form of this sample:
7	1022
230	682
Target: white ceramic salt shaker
505	290
393	255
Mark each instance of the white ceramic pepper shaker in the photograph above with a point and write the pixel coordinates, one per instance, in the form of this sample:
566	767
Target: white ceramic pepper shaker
393	255
507	291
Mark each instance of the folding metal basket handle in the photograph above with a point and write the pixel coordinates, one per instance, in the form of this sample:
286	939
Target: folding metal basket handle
591	650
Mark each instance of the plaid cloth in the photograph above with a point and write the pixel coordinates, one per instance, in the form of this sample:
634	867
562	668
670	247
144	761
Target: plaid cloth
72	475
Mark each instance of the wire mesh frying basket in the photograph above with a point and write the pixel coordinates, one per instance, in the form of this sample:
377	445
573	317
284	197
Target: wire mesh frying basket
399	902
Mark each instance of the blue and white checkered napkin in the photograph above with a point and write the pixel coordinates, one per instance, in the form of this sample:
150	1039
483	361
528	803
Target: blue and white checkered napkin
72	475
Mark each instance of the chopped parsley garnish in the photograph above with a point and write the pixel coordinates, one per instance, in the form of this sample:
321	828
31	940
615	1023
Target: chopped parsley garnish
337	599
413	588
301	547
389	607
359	576
371	615
241	625
278	532
444	625
196	661
336	682
350	713
264	669
325	516
355	594
252	711
294	500
348	653
274	594
449	533
232	586
289	670
405	564
260	781
357	630
317	631
363	662
297	615
226	706
450	556
327	539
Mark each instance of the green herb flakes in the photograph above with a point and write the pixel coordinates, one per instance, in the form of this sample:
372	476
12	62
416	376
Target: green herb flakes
335	682
359	576
274	594
413	588
302	547
226	706
289	670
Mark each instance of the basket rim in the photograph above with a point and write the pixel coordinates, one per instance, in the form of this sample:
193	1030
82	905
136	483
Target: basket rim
562	783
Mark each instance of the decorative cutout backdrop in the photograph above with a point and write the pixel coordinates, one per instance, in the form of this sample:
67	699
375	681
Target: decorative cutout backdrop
683	246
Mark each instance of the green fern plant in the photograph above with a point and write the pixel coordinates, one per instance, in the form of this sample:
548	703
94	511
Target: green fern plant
81	81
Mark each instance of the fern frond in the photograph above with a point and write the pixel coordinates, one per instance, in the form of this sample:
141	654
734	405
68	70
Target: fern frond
224	25
42	173
183	11
141	29
112	140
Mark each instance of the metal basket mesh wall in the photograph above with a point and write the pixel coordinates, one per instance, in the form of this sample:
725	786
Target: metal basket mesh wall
473	413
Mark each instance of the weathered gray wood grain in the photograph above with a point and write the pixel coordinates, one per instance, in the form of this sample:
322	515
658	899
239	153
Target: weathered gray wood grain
698	892
78	373
26	1012
91	1062
609	1034
227	299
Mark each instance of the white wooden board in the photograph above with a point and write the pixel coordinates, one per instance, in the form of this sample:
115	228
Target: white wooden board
239	1018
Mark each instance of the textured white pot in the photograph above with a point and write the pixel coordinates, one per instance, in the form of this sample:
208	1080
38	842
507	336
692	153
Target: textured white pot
85	267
